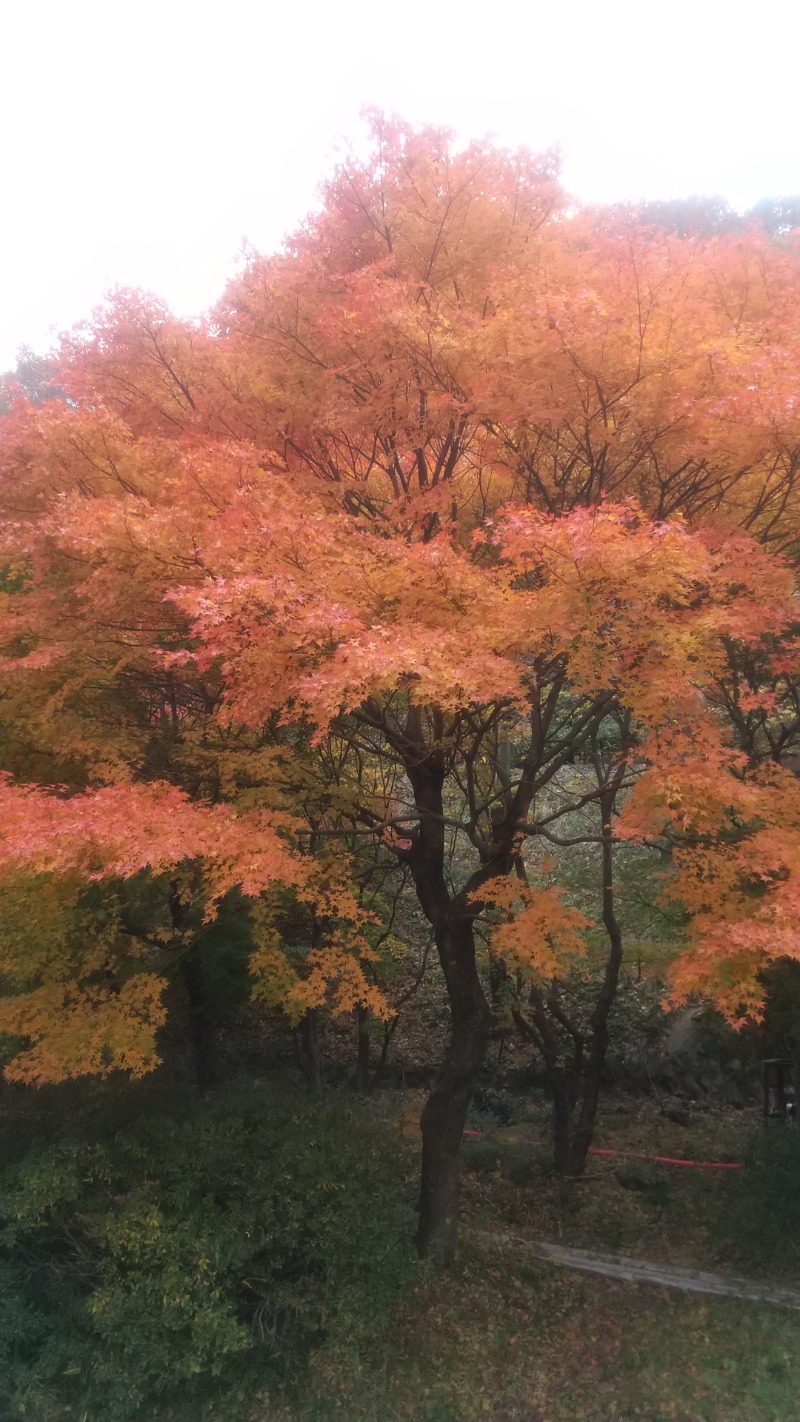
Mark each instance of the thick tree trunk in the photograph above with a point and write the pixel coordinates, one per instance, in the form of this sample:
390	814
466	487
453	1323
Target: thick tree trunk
583	1135
201	1037
445	1112
200	1029
563	1091
362	1077
451	919
312	1049
389	1029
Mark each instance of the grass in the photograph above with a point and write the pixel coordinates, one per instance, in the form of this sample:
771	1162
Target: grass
507	1339
679	1218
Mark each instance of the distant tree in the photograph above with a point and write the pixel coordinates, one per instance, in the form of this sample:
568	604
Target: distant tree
684	217
34	376
701	216
777	215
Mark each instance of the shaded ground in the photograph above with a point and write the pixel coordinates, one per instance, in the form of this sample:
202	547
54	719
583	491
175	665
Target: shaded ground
669	1214
640	1271
506	1338
513	1340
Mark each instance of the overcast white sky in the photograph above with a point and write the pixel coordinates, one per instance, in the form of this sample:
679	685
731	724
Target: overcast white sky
142	141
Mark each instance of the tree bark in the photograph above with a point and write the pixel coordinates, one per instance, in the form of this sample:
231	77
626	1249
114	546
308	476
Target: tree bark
583	1134
310	1052
201	1033
445	1112
451	919
563	1091
361	1080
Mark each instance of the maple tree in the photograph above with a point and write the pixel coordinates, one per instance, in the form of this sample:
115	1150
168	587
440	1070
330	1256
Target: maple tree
458	489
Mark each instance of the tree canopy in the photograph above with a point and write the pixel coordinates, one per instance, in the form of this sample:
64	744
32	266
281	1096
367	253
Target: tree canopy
460	488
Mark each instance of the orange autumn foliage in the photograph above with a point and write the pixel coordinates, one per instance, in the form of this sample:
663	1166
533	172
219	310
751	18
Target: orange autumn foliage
89	1021
458	466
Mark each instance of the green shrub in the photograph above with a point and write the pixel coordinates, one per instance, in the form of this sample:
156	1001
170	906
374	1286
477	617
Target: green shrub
196	1253
480	1157
521	1164
756	1211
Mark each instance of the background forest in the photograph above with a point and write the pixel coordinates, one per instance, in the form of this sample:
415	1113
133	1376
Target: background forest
400	814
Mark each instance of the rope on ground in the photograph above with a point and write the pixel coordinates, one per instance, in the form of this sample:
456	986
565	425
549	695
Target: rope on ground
660	1159
672	1160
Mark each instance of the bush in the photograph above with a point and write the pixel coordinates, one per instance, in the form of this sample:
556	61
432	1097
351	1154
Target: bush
481	1157
757	1215
521	1164
199	1252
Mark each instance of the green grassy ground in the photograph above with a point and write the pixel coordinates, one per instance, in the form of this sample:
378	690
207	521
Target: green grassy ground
745	1220
511	1340
503	1338
514	1342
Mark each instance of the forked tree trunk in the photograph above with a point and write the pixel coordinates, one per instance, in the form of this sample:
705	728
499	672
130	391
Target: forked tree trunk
583	1134
445	1112
451	920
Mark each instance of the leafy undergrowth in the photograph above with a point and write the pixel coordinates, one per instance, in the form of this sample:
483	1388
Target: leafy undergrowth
246	1259
158	1253
746	1219
511	1341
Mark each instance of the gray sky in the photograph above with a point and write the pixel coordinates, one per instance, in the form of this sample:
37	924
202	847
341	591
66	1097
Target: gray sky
143	141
